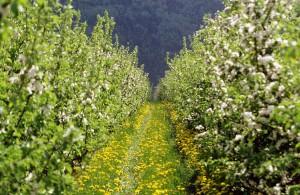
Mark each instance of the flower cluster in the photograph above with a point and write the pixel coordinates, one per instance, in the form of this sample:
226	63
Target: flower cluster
243	96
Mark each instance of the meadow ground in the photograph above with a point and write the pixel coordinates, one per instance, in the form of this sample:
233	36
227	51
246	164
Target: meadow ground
140	159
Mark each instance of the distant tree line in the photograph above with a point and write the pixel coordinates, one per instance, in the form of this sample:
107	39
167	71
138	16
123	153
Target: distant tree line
156	27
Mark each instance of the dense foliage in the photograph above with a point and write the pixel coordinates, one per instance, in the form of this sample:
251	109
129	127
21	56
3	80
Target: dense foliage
155	26
238	91
61	93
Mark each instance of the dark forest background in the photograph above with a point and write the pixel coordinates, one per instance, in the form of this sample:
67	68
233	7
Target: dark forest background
155	26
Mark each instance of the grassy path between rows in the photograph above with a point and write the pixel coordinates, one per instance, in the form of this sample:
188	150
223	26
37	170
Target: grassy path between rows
140	159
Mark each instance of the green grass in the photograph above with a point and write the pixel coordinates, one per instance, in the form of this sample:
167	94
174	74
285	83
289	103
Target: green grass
140	159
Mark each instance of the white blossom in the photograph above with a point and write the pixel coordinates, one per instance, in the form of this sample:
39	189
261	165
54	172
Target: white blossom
224	105
277	189
51	190
279	40
199	127
85	121
285	43
250	28
234	20
277	66
69	131
14	79
281	88
270	86
32	72
106	86
265	59
22	59
270	42
78	138
270	168
29	177
248	115
238	137
35	86
235	54
199	135
210	110
2	131
266	111
229	62
293	43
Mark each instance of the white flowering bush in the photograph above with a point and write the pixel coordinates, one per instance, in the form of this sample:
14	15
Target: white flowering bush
238	89
61	94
